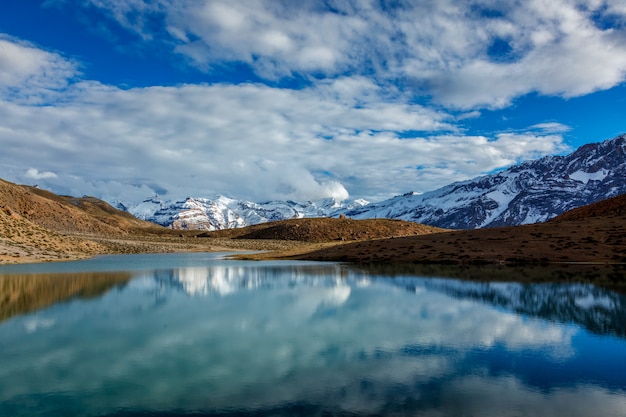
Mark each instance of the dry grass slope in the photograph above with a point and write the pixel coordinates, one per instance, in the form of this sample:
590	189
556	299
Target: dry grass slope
37	225
318	230
612	207
67	214
21	240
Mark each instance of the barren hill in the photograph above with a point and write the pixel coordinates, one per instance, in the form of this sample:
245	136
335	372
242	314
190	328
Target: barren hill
320	230
66	214
22	240
37	225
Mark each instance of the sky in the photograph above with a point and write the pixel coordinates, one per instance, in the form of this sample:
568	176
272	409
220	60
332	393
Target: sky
301	100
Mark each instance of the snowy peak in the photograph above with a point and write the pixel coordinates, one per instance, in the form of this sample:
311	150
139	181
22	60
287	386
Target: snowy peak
530	192
221	212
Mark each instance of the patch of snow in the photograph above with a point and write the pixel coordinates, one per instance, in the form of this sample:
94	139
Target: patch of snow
585	177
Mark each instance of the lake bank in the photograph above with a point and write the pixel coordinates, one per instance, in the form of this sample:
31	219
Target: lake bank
73	247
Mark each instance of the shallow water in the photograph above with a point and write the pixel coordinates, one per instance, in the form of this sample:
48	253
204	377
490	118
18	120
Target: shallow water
193	334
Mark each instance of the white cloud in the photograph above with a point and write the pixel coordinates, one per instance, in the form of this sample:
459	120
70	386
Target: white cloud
277	39
551	127
444	48
249	140
35	174
28	72
556	49
357	133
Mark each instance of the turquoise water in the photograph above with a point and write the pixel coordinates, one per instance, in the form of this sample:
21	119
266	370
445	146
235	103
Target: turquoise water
194	334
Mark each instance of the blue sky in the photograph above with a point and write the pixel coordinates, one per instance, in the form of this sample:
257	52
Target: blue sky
273	99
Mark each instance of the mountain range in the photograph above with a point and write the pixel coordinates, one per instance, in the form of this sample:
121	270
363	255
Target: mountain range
222	212
529	192
37	225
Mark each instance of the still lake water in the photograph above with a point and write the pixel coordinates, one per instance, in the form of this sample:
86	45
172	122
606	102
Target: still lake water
194	334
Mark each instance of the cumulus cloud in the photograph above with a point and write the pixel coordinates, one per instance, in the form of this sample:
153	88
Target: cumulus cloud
250	141
358	124
463	54
35	174
28	72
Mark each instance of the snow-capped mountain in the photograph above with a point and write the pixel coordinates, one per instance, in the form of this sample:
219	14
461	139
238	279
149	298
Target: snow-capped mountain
530	192
225	213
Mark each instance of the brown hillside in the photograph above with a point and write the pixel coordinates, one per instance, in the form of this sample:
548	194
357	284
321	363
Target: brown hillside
319	230
37	225
22	240
612	207
66	214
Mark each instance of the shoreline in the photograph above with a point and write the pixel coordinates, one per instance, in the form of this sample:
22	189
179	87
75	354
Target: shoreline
398	250
106	245
392	261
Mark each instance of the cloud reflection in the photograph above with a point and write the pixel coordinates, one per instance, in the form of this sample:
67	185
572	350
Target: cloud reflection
258	338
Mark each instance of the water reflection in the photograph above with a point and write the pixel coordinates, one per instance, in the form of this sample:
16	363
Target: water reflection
23	293
226	279
598	309
535	291
244	338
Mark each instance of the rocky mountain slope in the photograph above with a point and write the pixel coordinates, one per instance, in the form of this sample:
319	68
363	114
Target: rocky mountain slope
226	213
530	192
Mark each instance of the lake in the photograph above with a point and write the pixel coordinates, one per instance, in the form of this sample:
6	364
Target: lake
200	335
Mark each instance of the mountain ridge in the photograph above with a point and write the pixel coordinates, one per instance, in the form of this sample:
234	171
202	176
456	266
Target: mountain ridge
530	192
591	234
221	212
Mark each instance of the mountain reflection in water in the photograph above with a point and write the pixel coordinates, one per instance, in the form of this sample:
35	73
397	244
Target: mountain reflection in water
23	293
286	338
